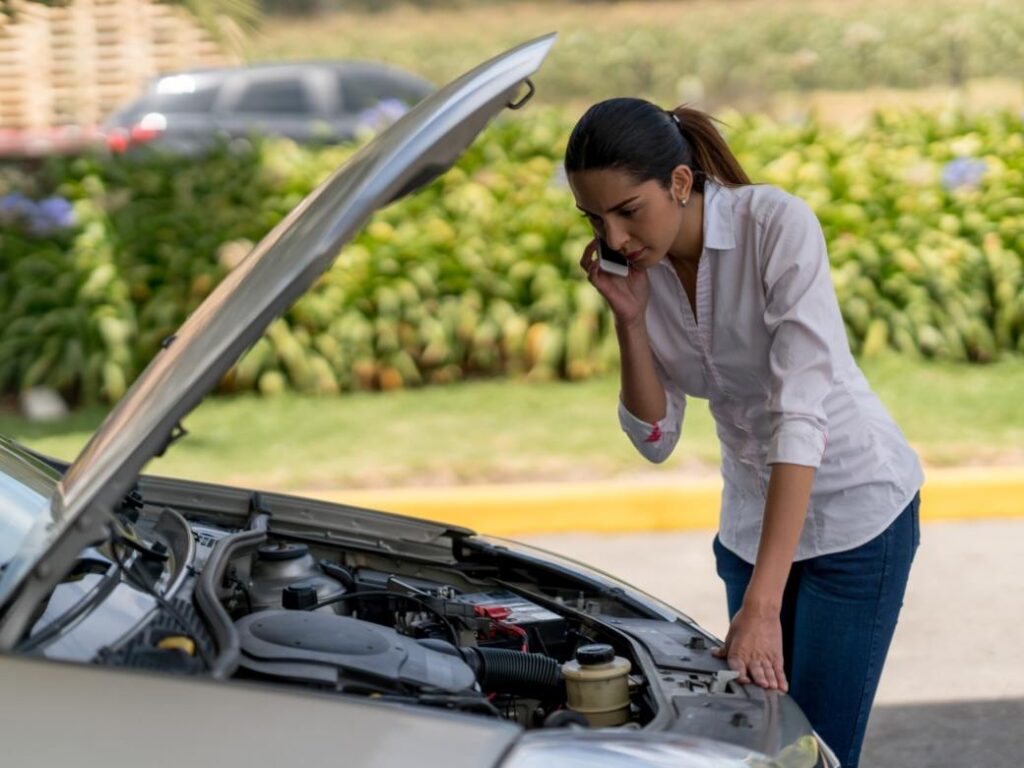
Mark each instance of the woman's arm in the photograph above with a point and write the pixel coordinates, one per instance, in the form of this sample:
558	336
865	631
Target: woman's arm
650	415
642	392
753	646
789	494
651	406
802	315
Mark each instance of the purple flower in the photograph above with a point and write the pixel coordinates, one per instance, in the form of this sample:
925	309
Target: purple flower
392	109
52	214
381	115
963	172
42	218
13	206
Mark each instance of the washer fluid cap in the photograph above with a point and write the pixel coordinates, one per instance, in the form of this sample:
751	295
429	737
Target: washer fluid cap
595	653
282	551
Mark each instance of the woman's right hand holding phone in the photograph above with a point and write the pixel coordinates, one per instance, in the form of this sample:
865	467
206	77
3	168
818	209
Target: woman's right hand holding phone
627	296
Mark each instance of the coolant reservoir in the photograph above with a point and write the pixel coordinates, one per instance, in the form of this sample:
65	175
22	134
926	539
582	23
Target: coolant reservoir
597	685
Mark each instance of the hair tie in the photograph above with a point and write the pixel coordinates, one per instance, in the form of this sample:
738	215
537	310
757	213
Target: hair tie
675	117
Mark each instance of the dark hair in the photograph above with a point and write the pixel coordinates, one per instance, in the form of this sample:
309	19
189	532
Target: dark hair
648	142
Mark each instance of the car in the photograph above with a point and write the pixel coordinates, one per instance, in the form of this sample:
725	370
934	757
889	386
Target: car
147	618
324	101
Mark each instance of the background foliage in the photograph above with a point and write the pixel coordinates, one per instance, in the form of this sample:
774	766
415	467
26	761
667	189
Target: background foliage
720	52
477	275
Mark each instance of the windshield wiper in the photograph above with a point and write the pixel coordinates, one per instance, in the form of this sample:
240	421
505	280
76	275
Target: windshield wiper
146	580
99	592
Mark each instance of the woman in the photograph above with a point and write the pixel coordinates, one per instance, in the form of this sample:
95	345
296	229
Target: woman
729	298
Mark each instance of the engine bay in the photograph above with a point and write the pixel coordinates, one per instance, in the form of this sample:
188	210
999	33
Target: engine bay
345	622
253	604
242	587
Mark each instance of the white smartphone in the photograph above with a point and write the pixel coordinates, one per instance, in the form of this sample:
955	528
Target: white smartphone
611	261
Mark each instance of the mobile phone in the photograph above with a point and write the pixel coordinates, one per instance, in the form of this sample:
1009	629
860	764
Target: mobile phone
610	260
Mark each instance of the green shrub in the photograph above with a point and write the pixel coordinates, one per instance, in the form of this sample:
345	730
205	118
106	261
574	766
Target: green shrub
477	275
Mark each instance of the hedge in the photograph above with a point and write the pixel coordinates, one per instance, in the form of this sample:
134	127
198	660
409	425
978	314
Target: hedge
477	275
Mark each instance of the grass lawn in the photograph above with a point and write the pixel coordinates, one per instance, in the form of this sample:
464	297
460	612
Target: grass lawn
514	431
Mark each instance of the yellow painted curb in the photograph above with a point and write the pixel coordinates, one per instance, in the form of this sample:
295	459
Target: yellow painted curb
949	494
970	493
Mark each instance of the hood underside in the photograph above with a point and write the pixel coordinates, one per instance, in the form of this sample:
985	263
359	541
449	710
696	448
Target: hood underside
422	145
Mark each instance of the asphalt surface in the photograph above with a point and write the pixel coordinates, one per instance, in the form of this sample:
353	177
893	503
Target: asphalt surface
952	693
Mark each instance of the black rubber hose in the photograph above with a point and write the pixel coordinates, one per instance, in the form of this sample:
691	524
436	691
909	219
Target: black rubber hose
501	670
208	601
339	572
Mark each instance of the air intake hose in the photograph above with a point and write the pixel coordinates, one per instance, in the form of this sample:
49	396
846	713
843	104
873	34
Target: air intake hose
521	674
501	670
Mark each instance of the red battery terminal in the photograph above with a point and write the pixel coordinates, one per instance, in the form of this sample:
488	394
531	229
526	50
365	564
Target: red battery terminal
497	614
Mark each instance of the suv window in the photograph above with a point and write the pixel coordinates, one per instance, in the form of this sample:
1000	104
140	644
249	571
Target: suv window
284	95
363	90
181	94
198	102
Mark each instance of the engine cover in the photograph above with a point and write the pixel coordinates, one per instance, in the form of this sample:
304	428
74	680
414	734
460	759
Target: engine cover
324	648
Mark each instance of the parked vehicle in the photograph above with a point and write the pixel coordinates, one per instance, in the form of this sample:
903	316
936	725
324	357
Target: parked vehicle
217	625
327	101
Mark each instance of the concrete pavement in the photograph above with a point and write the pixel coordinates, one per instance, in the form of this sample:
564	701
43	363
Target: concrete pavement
959	734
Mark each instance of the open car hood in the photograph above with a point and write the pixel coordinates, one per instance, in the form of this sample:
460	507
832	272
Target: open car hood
422	145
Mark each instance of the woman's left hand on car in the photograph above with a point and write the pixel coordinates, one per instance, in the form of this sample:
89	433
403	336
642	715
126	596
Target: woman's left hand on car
753	647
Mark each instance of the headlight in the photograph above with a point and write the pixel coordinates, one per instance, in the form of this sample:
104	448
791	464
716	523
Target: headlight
611	749
575	749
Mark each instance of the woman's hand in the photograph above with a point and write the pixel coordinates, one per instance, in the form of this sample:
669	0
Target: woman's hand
753	647
627	296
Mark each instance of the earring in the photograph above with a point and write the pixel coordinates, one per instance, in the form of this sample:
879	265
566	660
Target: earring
682	203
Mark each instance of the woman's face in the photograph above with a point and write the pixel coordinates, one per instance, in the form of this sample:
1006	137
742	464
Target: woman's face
640	220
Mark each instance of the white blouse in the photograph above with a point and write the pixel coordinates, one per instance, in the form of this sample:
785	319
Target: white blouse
769	352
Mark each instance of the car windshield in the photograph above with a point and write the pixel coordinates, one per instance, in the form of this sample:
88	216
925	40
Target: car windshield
27	486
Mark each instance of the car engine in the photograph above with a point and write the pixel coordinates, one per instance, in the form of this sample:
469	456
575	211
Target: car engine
353	628
252	604
246	588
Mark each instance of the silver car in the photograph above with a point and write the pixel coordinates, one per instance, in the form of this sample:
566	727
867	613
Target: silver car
146	620
308	101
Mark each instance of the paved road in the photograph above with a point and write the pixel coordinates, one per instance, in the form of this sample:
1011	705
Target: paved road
963	734
952	695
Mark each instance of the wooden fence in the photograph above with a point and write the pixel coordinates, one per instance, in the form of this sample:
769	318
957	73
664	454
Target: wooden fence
72	65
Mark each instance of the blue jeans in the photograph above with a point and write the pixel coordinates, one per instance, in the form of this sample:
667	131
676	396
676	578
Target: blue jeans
839	613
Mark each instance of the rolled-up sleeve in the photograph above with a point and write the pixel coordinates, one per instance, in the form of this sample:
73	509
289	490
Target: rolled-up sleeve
655	442
802	316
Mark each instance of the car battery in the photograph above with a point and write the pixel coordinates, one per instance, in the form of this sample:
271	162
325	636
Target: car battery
509	610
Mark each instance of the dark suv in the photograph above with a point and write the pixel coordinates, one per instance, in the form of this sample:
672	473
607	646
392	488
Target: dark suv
327	101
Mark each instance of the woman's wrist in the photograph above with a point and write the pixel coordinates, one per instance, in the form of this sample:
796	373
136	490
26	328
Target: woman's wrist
635	328
762	606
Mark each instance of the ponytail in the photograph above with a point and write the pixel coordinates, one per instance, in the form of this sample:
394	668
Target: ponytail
648	142
710	152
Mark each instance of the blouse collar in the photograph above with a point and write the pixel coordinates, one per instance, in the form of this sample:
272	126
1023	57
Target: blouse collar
718	232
